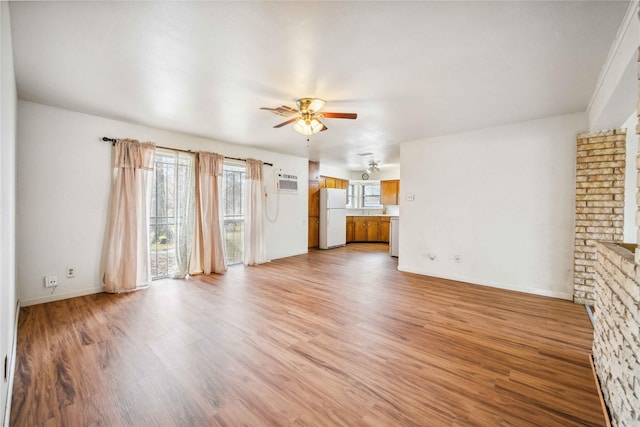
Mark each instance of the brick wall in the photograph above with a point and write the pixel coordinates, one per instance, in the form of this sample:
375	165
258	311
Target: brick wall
599	203
616	337
616	332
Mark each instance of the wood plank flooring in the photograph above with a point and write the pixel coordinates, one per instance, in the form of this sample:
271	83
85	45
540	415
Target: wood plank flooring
336	337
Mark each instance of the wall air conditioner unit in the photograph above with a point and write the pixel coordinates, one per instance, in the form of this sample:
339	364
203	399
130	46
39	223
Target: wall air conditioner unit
287	183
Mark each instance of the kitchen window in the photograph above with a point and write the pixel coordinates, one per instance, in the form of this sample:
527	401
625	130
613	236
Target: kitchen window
351	196
364	195
371	195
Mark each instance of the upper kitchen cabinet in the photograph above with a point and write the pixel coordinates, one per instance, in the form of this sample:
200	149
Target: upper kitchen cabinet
331	182
314	171
390	192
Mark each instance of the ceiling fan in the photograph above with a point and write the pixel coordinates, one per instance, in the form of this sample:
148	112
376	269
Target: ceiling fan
307	115
373	166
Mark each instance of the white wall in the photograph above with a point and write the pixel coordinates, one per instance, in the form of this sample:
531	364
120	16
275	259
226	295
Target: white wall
615	94
502	198
8	101
63	182
334	172
385	172
631	180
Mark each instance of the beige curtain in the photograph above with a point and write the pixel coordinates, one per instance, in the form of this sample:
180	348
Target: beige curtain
127	262
209	249
184	213
255	245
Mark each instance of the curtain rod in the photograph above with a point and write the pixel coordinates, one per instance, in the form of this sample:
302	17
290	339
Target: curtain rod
113	142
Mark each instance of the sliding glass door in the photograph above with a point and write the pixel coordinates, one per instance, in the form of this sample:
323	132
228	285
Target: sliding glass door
163	214
233	187
167	204
172	213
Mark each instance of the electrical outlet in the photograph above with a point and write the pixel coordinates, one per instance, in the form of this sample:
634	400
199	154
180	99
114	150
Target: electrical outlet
71	272
50	281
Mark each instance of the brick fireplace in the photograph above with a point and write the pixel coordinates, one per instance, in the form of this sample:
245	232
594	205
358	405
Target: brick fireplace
614	272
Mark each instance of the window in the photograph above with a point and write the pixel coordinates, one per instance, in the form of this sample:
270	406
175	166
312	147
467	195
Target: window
364	194
162	218
170	168
351	196
371	195
233	211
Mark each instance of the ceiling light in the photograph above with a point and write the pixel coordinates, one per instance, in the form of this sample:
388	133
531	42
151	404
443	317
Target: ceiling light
316	126
307	126
373	167
316	105
301	127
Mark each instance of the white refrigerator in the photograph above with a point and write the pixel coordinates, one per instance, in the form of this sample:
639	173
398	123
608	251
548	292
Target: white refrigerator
333	217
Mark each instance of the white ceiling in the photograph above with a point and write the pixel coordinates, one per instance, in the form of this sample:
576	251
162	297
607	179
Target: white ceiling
410	70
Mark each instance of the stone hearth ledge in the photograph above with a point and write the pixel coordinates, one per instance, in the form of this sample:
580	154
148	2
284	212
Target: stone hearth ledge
616	341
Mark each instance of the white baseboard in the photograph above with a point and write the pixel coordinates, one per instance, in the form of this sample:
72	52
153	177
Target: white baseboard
492	284
12	367
56	297
306	251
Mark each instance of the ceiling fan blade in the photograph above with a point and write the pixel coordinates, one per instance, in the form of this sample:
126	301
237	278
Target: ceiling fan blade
282	110
339	115
286	123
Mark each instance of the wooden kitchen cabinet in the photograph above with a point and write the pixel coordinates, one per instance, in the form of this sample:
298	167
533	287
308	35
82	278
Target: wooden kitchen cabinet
373	231
390	192
314	198
314	232
314	171
331	182
350	229
328	182
360	229
366	229
314	205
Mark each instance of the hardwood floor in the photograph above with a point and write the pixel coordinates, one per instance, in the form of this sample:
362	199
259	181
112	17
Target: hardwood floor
336	337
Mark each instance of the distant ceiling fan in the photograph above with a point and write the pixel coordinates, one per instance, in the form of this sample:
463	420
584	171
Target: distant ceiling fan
307	115
373	166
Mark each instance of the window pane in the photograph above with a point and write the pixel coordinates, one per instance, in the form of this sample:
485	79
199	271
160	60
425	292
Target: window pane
162	215
370	195
233	207
351	192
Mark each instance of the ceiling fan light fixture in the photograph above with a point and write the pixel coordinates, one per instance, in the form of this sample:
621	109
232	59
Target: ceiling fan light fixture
316	126
316	105
373	167
307	127
307	117
302	127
